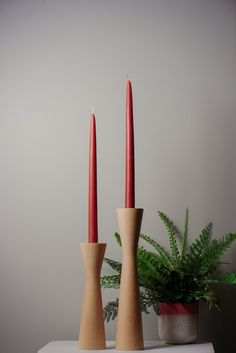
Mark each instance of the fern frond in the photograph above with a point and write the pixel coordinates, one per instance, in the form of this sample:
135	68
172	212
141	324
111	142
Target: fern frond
147	299
210	258
145	273
224	243
228	279
110	310
172	235
201	243
118	239
144	302
147	258
110	281
148	268
211	299
115	265
166	259
185	237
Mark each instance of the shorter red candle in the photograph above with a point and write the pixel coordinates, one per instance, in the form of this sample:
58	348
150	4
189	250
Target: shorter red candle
92	207
129	180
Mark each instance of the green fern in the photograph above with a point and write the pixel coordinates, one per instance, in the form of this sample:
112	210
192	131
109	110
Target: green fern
211	299
110	310
148	259
172	236
148	263
118	238
185	237
200	244
228	279
175	278
115	265
211	257
110	281
197	249
147	300
167	261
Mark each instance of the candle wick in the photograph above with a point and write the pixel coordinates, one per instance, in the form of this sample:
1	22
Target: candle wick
92	109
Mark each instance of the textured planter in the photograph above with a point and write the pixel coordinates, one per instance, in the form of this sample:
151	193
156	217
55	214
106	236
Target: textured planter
178	323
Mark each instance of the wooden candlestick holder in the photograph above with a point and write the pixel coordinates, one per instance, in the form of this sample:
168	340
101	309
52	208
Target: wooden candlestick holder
92	331
129	331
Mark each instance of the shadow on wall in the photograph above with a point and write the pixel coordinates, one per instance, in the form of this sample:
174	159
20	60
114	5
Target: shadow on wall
219	326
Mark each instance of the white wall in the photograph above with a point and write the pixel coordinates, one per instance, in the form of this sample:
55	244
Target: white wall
58	57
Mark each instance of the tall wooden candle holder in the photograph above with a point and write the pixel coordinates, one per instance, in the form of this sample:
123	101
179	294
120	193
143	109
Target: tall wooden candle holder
92	331
129	331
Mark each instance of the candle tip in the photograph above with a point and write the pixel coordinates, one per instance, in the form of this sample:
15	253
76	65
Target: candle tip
92	109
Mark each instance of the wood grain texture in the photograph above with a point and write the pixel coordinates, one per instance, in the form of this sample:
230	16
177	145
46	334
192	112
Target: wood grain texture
92	331
129	331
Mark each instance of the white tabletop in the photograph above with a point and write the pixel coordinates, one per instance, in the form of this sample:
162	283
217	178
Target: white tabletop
158	347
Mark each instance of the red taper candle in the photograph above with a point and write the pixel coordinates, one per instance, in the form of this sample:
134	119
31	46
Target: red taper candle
92	207
129	180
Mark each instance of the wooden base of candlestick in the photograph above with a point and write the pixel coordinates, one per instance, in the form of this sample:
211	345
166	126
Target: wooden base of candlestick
129	331
92	331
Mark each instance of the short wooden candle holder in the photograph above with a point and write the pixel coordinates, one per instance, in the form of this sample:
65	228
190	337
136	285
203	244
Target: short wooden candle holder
92	331
129	331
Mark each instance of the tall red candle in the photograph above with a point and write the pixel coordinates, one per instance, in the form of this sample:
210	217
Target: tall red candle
129	180
92	208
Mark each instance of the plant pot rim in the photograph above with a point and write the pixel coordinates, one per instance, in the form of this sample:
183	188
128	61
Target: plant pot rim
178	303
179	308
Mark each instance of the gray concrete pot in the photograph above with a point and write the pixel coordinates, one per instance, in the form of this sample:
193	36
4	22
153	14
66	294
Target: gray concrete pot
178	323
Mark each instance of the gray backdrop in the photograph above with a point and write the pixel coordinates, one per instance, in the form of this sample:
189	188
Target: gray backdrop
59	57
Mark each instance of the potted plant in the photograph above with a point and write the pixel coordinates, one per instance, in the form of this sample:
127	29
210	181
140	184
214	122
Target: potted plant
173	282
